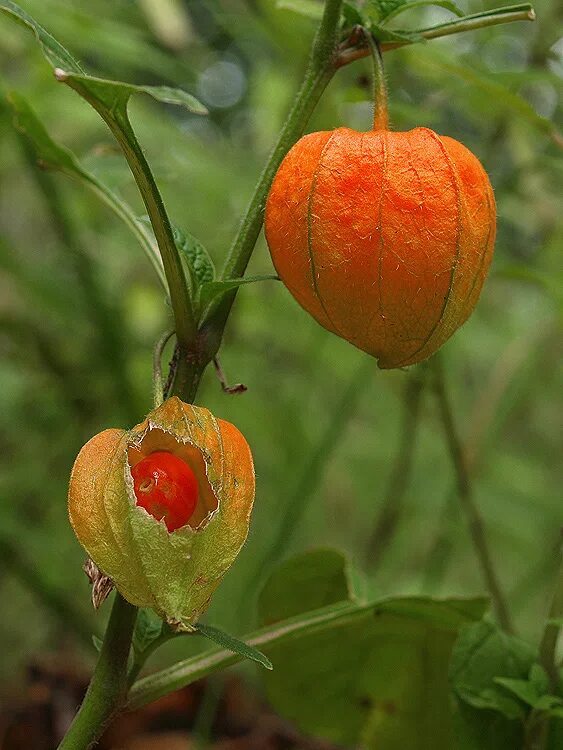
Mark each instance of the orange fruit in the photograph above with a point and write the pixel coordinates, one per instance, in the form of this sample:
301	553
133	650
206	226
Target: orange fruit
384	238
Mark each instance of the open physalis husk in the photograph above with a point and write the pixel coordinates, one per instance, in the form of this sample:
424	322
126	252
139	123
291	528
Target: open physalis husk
174	573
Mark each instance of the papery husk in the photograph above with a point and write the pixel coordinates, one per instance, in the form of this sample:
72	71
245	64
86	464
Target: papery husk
385	238
173	573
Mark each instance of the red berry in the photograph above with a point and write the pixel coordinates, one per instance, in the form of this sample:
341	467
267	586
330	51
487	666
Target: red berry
166	487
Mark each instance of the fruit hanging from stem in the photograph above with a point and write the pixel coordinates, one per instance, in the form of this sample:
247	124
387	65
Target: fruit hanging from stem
384	238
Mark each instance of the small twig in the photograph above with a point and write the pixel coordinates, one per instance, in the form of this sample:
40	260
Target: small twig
537	727
390	512
465	494
231	389
380	108
354	47
158	387
484	411
548	646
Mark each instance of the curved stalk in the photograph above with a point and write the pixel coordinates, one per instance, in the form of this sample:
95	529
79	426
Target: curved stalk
185	672
465	494
380	108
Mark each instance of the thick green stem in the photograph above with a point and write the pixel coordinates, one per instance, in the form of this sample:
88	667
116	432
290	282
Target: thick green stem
107	691
465	494
322	66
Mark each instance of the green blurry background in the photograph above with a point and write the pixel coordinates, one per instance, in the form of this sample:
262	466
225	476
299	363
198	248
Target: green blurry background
322	421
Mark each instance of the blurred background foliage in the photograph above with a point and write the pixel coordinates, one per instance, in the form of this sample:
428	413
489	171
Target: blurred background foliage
324	424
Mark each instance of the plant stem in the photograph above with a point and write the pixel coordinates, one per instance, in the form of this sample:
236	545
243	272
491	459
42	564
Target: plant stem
185	323
321	68
380	108
108	687
548	645
537	729
465	494
390	512
157	382
107	691
185	672
351	50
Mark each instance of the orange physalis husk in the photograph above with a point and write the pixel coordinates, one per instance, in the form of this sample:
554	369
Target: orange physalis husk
175	573
384	238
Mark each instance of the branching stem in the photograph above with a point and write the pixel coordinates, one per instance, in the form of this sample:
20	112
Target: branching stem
465	494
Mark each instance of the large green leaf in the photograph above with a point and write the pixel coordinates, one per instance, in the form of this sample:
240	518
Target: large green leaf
309	581
379	677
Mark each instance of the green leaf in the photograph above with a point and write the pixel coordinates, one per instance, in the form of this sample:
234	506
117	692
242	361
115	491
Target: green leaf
522	689
351	14
97	643
69	71
147	629
309	581
313	628
374	675
195	255
482	654
233	644
55	157
56	54
550	703
209	291
308	8
494	699
539	679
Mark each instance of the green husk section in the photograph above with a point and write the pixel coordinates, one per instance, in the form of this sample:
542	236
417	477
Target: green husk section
173	573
